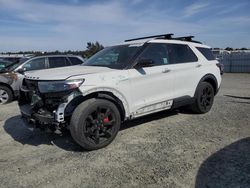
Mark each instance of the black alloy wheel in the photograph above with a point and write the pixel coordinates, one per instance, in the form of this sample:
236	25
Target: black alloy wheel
100	125
95	123
204	98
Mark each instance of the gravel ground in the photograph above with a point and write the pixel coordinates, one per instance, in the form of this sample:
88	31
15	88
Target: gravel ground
167	149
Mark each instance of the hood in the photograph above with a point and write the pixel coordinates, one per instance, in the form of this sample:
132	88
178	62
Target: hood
64	73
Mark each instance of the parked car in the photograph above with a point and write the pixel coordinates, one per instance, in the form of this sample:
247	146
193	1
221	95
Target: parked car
14	59
4	63
12	75
121	82
13	64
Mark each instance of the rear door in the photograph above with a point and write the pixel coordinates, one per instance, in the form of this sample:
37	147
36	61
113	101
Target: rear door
186	69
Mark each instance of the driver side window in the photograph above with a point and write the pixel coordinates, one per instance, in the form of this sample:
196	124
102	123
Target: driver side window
35	64
157	53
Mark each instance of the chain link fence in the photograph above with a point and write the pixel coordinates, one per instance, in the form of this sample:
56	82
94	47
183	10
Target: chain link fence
236	62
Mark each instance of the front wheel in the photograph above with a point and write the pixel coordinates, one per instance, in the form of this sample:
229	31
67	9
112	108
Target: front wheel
6	95
95	123
204	98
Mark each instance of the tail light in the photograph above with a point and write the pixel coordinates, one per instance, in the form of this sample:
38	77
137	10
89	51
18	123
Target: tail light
221	67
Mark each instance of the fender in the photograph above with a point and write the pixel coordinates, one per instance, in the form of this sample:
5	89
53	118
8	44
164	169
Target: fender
66	109
115	92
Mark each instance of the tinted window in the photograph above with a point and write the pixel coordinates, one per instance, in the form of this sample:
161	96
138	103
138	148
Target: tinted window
35	64
75	61
207	53
157	53
55	62
179	53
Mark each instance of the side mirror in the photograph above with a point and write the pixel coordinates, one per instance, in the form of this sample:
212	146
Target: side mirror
144	63
21	70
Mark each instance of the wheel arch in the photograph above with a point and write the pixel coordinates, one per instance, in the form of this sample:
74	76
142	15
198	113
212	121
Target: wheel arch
119	101
8	86
210	78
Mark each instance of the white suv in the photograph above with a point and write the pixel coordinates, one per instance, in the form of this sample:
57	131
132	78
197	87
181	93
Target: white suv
138	77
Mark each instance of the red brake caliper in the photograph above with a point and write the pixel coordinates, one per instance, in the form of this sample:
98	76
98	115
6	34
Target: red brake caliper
106	120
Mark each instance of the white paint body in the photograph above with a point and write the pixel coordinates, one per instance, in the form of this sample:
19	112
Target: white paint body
142	91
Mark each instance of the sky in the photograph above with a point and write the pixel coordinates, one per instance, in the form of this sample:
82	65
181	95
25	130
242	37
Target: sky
48	25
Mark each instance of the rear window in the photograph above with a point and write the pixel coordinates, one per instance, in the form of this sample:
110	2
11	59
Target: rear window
207	53
55	62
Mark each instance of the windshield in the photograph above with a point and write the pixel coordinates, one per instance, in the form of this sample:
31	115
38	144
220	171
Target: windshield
4	64
115	57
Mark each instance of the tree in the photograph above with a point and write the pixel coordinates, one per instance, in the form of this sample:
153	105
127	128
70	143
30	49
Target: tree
229	49
243	49
92	48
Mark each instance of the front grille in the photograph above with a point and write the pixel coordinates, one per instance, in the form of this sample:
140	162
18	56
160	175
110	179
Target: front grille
31	84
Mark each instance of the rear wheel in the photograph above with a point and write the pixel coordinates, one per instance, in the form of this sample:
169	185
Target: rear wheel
6	95
204	98
95	123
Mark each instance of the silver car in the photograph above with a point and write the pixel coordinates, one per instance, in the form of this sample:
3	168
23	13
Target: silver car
12	75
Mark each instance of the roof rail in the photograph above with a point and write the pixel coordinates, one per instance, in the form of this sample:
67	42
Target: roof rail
163	36
185	38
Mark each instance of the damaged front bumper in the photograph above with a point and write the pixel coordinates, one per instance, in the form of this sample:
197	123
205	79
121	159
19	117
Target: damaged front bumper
46	110
41	118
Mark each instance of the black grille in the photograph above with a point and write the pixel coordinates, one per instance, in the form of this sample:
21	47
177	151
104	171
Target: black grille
31	84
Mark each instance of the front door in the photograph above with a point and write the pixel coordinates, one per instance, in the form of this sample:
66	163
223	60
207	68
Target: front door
151	87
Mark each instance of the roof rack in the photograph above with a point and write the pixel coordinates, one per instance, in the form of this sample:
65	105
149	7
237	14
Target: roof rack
184	38
187	38
167	36
163	36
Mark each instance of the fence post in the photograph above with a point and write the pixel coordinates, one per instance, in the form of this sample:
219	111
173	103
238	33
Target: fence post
230	62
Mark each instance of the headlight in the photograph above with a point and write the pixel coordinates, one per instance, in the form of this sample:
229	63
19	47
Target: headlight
58	86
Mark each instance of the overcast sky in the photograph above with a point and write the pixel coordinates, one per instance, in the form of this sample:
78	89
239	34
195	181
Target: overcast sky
69	24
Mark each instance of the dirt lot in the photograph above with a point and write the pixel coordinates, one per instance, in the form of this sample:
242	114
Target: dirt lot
167	149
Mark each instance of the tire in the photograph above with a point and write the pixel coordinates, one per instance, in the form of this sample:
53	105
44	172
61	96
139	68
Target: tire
6	95
95	123
204	98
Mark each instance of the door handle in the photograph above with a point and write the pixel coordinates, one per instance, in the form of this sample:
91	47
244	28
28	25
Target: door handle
199	65
166	70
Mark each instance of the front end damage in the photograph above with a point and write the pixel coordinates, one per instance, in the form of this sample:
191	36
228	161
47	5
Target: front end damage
46	110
